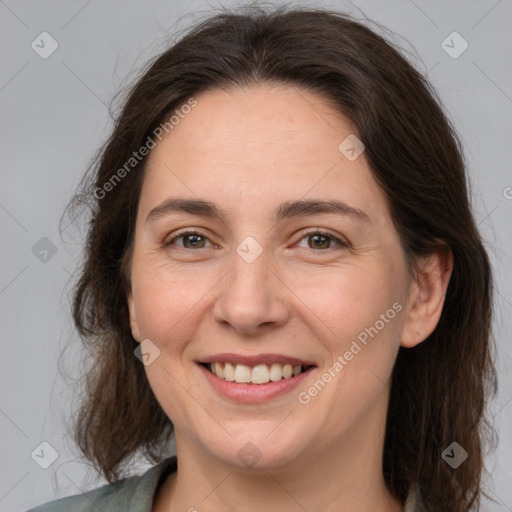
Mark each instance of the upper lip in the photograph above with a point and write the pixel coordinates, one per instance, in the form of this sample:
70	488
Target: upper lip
255	360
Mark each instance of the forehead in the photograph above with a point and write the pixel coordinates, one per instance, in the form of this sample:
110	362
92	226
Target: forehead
270	143
270	119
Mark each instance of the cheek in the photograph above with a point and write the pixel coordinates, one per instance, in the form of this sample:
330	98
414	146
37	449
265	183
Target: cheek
342	302
169	308
357	314
356	311
167	299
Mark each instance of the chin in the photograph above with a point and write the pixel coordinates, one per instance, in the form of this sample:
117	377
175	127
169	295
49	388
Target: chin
258	449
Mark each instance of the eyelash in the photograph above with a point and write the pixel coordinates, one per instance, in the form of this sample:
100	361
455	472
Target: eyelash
326	234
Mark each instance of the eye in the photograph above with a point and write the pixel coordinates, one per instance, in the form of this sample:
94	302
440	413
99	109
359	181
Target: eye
191	240
195	240
322	239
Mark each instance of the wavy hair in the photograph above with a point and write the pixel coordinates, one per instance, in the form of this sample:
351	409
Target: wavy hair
440	388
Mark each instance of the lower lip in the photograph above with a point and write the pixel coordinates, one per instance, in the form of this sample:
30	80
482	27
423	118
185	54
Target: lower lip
253	393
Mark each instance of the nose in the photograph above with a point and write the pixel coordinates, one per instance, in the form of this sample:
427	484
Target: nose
252	297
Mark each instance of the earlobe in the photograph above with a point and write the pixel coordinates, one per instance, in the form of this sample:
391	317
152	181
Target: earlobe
426	297
133	318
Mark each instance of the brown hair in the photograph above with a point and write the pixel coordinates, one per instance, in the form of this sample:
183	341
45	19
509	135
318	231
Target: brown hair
440	388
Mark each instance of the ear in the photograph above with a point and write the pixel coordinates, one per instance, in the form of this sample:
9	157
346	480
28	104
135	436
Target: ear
127	270
134	326
427	293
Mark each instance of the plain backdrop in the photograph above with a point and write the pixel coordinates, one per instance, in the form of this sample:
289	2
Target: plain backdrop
54	116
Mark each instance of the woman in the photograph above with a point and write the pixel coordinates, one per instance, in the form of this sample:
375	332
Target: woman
283	270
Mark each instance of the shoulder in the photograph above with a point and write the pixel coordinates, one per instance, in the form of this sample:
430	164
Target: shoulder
108	497
134	494
413	502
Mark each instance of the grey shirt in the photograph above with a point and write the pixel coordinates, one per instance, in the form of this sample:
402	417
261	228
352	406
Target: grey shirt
136	494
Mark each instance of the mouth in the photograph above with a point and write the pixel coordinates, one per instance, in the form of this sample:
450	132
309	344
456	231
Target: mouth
259	374
254	379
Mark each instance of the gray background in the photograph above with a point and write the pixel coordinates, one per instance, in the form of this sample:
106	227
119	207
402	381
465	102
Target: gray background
53	118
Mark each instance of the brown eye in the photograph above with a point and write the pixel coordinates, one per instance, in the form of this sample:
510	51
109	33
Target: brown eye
191	240
319	240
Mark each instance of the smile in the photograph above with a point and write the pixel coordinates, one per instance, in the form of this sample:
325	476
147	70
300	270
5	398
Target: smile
258	374
254	378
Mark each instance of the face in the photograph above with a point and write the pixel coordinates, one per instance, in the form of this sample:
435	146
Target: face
262	279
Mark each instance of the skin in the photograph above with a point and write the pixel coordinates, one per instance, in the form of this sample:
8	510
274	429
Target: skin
248	150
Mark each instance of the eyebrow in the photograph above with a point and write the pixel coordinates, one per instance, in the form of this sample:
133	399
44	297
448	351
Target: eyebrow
286	210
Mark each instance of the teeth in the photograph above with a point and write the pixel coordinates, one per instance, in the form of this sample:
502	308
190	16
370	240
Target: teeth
242	373
276	372
260	374
229	372
218	370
